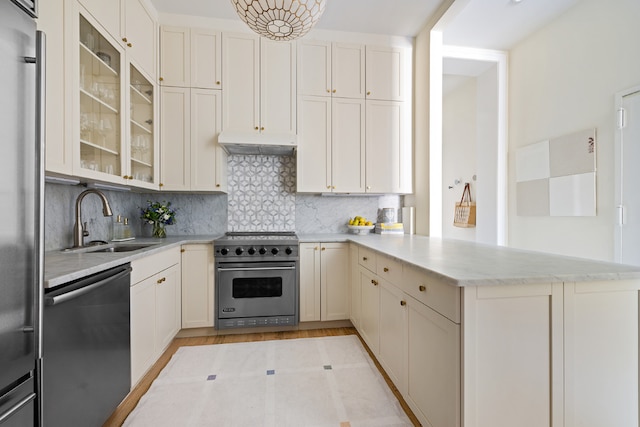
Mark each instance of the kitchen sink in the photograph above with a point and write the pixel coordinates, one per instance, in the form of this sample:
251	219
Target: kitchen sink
114	247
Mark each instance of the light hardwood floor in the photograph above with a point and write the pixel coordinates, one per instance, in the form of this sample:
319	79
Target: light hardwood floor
130	402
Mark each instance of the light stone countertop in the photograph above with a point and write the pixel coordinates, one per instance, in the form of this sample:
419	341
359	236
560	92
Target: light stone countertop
63	267
456	262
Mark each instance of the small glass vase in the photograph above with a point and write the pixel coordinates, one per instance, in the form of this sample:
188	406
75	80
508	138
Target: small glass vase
159	230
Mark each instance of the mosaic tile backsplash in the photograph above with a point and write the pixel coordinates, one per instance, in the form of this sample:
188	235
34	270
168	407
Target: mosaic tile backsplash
262	193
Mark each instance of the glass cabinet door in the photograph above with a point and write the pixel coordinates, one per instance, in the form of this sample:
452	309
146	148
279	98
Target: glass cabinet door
142	142
100	82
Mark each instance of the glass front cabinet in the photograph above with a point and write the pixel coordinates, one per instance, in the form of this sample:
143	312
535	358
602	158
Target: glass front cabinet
113	114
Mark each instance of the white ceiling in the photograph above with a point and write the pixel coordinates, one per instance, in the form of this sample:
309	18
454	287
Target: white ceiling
492	24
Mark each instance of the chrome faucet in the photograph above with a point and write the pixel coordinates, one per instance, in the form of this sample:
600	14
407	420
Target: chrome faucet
79	230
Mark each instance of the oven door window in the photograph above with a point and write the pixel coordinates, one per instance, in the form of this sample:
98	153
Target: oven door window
257	287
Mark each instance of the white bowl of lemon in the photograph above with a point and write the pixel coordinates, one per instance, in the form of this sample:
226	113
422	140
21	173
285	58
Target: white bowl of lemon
360	225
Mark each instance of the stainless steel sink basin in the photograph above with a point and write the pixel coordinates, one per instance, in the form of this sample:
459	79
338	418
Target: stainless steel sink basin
113	247
122	248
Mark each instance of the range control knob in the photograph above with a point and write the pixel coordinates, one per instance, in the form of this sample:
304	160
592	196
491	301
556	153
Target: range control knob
252	250
224	251
288	251
275	251
263	250
239	251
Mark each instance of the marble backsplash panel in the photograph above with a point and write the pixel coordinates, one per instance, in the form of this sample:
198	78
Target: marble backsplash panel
262	193
196	213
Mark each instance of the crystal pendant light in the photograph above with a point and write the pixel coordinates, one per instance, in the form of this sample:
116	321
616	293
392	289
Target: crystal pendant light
280	19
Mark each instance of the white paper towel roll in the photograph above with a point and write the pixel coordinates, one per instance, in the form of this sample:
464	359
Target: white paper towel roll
409	220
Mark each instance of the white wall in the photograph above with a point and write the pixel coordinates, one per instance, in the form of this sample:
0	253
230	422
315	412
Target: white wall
459	139
563	79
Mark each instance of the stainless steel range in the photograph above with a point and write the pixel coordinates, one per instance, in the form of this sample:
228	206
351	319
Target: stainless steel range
257	279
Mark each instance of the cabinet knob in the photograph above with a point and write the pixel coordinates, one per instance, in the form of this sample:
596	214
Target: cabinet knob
161	79
161	280
334	91
333	187
323	248
403	303
257	128
161	185
328	187
328	90
124	39
386	270
368	93
422	288
183	250
364	258
375	282
217	185
262	128
129	44
218	82
315	248
368	187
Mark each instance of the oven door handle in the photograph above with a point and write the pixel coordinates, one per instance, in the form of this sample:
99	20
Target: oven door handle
256	268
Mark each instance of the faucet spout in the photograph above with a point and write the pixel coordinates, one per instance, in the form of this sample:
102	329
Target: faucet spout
79	232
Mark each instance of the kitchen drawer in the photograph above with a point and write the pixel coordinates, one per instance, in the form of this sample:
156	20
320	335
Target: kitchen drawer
390	269
441	297
367	259
153	264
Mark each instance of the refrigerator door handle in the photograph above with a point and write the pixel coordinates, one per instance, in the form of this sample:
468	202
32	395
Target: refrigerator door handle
41	67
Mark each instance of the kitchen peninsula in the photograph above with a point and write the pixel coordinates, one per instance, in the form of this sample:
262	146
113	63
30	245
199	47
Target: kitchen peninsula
475	334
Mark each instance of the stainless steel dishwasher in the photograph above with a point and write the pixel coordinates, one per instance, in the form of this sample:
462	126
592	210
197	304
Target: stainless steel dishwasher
86	349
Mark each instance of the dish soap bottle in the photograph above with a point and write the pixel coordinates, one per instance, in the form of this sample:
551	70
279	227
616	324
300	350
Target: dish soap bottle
126	230
116	232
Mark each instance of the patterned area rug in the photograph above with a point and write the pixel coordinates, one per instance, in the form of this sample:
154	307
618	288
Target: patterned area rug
328	381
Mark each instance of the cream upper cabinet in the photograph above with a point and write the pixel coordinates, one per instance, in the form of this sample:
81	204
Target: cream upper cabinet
133	24
139	35
192	160
347	145
314	145
331	69
331	145
190	57
175	135
324	282
107	13
260	79
388	148
175	56
314	63
197	286
348	70
385	76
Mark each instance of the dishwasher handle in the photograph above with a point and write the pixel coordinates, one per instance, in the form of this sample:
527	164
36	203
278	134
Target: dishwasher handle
83	288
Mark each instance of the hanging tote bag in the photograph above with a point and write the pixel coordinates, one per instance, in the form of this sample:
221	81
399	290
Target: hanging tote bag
465	213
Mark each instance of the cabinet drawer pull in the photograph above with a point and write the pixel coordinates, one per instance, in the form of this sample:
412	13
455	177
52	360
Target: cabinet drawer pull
403	303
386	270
162	280
422	288
364	258
124	39
324	249
129	44
375	282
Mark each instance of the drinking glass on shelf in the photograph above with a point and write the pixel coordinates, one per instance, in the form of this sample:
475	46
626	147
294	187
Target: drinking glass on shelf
105	130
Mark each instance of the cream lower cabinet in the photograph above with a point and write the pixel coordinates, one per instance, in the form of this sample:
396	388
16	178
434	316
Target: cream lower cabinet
197	286
155	308
370	309
393	334
324	282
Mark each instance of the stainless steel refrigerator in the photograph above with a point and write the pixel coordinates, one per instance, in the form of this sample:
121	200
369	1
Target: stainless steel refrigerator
21	217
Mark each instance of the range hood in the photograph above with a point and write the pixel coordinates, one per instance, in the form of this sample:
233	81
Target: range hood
257	143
